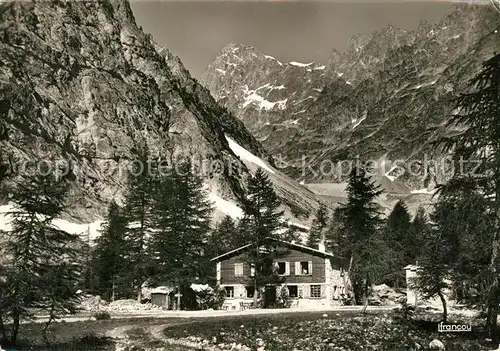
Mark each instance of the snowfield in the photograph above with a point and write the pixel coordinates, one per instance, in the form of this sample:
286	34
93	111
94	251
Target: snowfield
424	191
92	229
390	177
272	58
253	98
245	155
225	206
299	64
357	122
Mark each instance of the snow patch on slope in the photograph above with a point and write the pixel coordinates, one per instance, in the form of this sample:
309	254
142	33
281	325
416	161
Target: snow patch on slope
253	98
279	87
296	113
424	191
298	225
245	155
226	207
272	58
299	64
356	122
390	177
93	229
426	84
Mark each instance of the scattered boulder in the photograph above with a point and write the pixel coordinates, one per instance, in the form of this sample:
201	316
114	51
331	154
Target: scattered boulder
385	295
131	306
91	303
436	345
374	300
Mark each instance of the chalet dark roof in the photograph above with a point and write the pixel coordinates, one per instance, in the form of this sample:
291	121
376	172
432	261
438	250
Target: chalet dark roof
290	245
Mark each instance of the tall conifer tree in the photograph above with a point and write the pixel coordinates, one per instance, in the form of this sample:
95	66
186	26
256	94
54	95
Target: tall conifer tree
109	254
180	243
359	235
138	212
263	220
398	244
317	232
455	251
42	269
479	144
419	227
223	237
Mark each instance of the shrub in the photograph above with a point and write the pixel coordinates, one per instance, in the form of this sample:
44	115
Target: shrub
211	298
283	300
101	315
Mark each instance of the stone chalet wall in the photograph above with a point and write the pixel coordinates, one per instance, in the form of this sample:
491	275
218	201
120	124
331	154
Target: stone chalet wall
334	282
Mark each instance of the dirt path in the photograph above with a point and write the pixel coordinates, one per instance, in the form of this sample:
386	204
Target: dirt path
152	333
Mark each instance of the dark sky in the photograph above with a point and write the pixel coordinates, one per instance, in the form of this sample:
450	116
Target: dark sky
290	31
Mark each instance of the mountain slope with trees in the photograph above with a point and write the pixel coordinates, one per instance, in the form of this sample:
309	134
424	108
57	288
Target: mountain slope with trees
81	82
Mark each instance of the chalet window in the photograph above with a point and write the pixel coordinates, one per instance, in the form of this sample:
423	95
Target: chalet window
252	270
238	269
250	291
293	291
315	291
303	268
229	291
283	268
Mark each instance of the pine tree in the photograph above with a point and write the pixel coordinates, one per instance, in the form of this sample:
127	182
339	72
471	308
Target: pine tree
456	251
87	253
109	254
479	144
179	244
334	236
359	235
263	207
433	273
419	227
317	232
42	269
292	234
263	220
138	212
223	237
398	244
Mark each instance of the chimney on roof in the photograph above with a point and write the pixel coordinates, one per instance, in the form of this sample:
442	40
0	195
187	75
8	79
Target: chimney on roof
321	246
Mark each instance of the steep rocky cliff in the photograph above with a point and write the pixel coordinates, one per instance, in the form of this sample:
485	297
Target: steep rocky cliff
81	82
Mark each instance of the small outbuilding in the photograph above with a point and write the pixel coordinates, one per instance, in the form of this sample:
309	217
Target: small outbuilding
161	296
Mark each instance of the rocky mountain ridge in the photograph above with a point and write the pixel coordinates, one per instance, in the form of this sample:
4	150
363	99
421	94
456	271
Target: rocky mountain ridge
386	98
81	82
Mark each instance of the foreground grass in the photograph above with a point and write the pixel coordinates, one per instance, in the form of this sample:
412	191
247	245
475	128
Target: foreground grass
301	331
78	336
311	332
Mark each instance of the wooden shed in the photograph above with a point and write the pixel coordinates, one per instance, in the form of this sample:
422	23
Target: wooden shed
160	296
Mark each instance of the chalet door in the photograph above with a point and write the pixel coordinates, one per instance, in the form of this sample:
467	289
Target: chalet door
269	296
